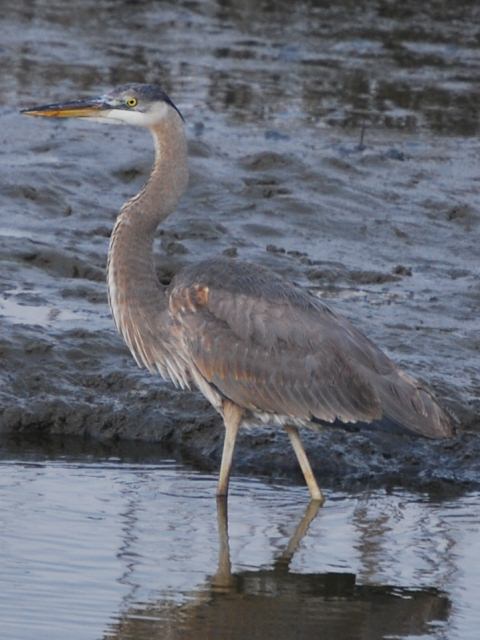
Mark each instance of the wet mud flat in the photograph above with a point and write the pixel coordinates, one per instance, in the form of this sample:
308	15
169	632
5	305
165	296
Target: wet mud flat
383	226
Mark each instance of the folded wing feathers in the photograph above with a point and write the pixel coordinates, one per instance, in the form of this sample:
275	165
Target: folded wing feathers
272	347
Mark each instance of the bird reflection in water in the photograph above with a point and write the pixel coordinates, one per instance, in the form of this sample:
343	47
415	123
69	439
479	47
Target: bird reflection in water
279	604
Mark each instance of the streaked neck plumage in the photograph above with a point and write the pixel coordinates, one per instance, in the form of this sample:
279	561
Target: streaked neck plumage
136	296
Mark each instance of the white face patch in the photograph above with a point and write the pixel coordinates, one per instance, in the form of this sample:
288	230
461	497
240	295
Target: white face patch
147	119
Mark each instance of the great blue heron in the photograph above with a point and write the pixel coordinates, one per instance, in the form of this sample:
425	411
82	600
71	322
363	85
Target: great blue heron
255	345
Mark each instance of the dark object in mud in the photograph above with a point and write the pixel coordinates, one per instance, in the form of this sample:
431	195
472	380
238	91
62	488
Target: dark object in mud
256	346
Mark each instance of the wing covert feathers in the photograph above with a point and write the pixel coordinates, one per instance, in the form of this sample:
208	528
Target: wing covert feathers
272	347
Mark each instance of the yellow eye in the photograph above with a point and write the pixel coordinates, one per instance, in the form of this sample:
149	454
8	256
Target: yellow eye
131	102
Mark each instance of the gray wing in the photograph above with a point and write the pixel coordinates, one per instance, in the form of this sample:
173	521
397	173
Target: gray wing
272	347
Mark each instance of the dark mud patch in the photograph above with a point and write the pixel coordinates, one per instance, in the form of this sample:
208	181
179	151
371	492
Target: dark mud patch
340	273
62	264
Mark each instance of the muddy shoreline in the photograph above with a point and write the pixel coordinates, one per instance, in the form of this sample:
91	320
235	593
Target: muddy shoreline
383	226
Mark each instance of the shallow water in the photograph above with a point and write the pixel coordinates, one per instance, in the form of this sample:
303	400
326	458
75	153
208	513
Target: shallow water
96	548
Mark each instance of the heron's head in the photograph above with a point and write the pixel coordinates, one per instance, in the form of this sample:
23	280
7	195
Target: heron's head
143	105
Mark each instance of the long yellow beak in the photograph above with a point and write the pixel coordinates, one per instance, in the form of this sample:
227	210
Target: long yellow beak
72	109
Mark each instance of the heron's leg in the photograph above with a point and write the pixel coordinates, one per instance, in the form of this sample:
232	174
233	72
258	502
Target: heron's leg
297	445
232	417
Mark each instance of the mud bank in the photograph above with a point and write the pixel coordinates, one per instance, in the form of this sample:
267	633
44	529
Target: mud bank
385	230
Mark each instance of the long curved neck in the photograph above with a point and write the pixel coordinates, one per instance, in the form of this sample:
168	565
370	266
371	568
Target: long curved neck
136	296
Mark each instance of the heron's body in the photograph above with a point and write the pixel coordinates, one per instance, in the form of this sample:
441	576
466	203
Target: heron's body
255	345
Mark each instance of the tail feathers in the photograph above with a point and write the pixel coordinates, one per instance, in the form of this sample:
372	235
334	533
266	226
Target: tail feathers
407	403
